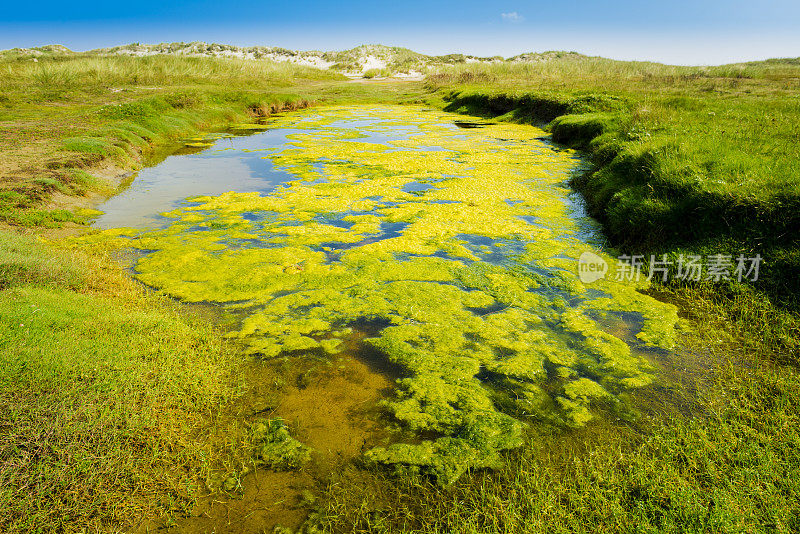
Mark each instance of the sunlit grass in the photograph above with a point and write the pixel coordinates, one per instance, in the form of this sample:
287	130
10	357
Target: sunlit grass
103	389
732	470
85	72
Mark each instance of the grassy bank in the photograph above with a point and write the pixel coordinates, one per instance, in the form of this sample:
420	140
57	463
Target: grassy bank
684	160
105	390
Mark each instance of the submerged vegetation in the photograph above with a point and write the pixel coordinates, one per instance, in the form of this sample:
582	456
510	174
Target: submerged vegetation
430	234
731	469
108	390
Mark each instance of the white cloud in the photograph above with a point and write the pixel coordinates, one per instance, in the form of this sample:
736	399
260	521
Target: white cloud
512	17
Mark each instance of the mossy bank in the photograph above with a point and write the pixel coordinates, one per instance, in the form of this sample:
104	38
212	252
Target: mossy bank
683	161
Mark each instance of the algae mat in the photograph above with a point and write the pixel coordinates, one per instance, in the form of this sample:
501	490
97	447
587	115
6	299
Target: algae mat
458	247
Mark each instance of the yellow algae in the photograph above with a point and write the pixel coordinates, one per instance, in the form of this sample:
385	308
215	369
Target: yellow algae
458	243
251	127
87	212
203	142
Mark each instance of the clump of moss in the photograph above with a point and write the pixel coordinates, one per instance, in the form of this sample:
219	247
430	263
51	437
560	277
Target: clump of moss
275	448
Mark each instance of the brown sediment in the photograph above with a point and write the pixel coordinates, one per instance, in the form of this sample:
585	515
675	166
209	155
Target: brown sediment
331	405
334	409
269	499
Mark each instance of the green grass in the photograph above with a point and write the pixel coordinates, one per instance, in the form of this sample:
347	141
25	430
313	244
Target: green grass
684	159
16	208
736	469
103	391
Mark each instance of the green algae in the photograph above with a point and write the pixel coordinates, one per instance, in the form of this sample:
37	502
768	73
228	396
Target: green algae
275	448
250	126
204	141
482	308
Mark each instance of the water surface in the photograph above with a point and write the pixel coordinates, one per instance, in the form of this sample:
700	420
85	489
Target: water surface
456	247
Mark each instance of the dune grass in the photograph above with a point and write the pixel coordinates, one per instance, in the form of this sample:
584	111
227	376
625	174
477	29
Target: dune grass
571	71
65	76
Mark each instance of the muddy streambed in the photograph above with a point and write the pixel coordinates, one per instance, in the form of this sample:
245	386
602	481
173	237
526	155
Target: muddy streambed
429	269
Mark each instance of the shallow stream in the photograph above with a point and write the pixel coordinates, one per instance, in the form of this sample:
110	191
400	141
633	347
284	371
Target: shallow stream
448	255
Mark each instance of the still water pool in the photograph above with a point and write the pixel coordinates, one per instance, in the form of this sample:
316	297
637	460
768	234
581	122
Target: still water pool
454	249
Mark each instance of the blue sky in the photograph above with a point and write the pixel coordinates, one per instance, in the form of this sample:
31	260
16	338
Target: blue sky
678	31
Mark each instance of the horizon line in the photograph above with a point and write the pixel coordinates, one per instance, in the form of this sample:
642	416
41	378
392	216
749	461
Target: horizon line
505	58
